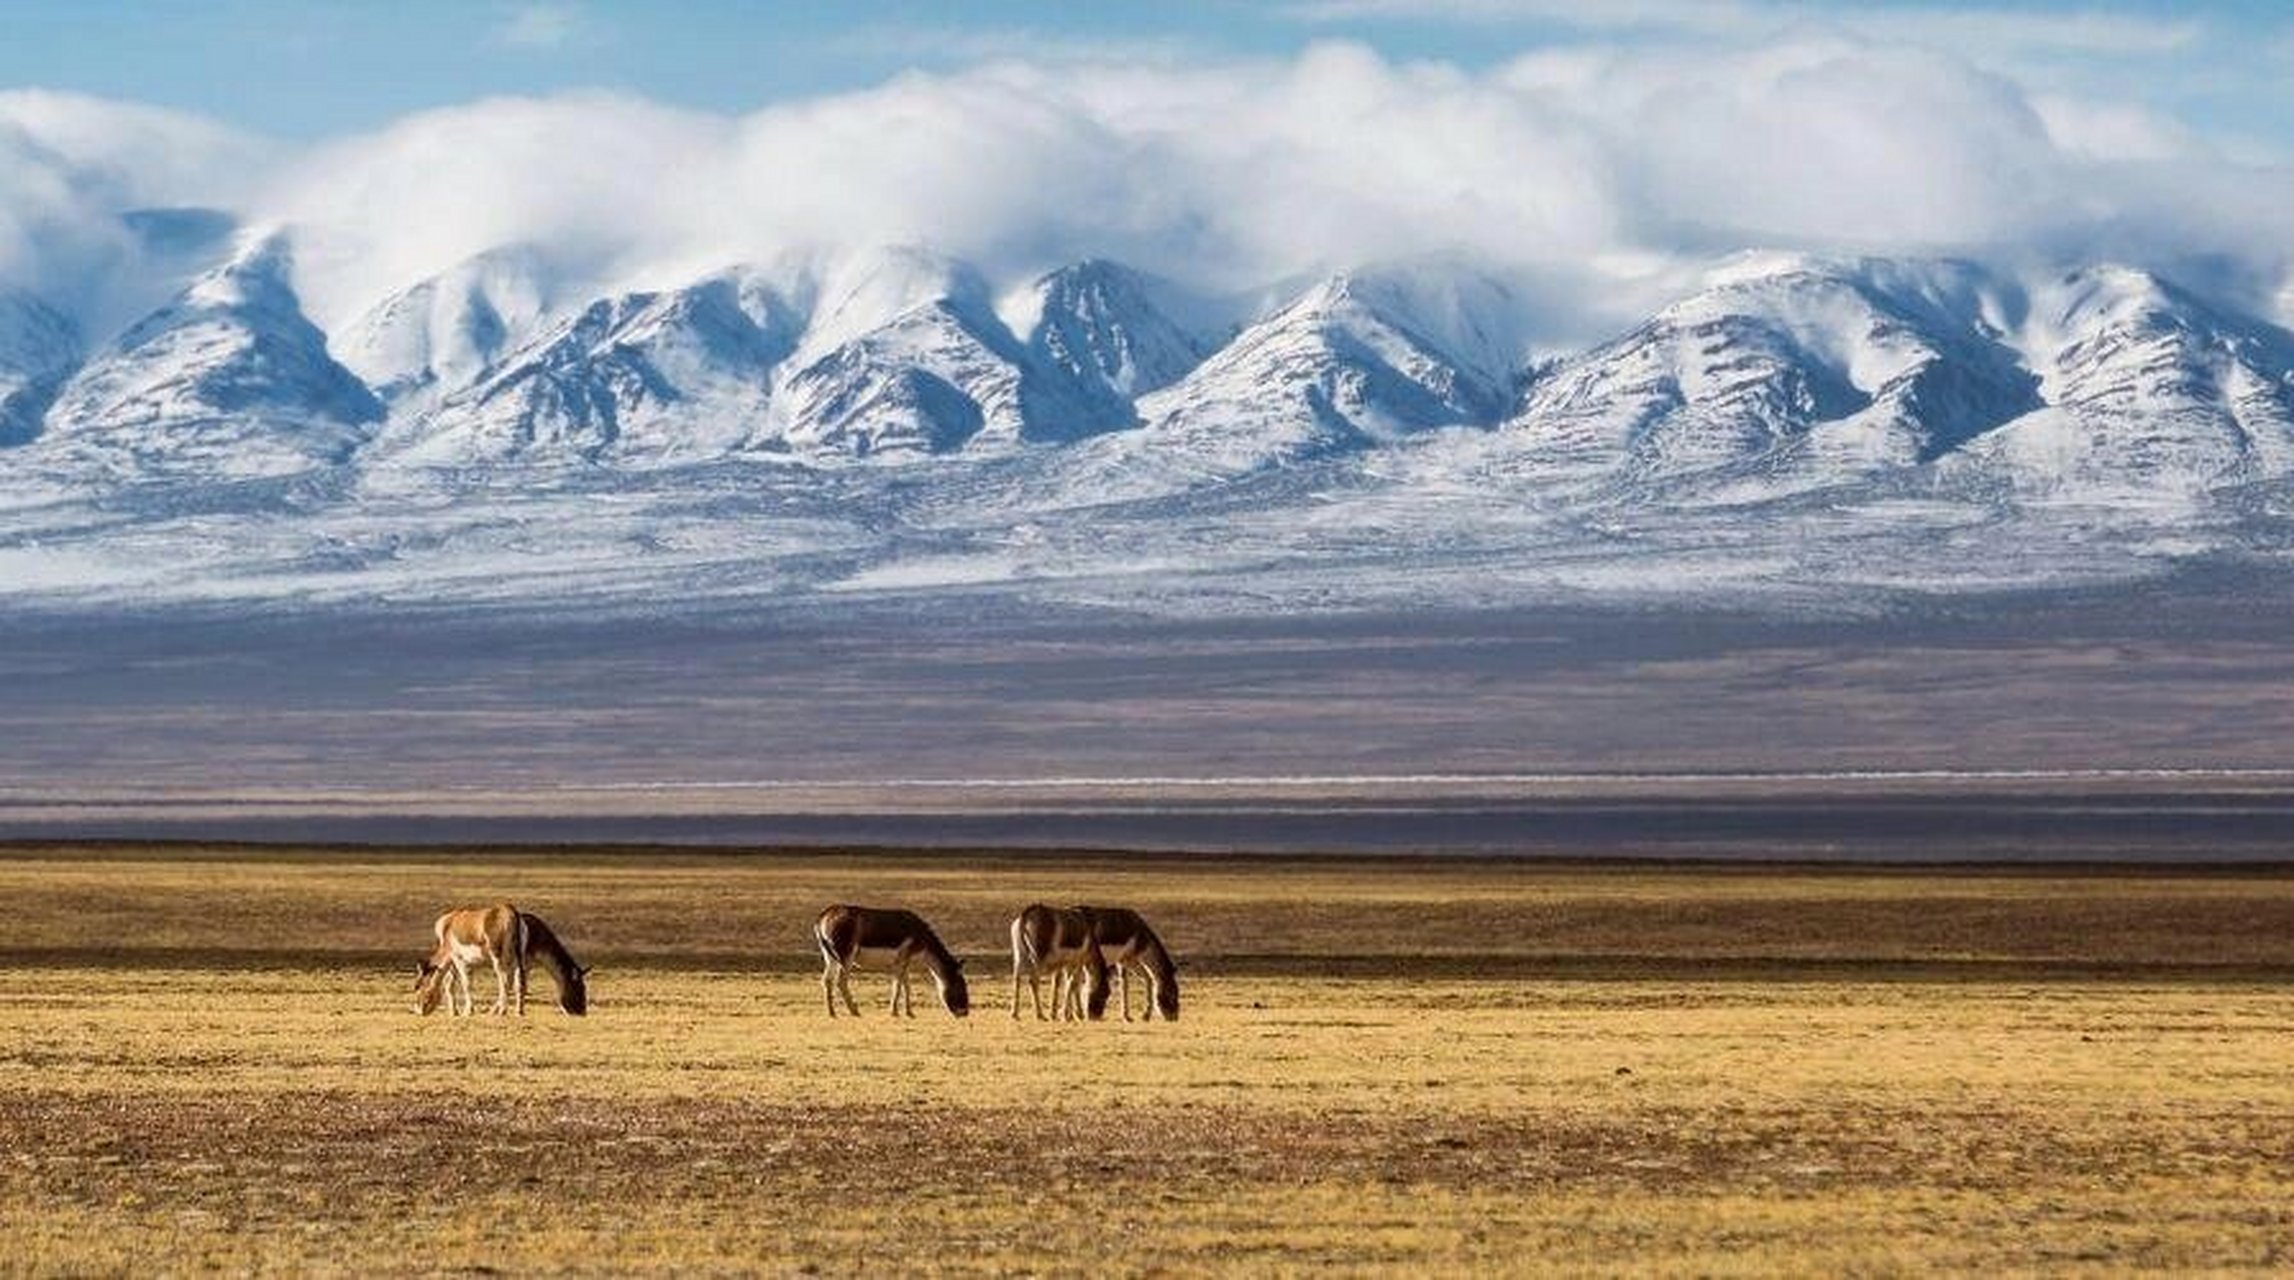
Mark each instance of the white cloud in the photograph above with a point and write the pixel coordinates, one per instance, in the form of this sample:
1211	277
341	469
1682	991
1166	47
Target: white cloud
70	165
592	177
2114	130
540	24
1597	176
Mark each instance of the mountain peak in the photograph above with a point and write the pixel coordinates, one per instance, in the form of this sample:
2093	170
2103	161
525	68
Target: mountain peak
1110	329
645	377
443	332
231	371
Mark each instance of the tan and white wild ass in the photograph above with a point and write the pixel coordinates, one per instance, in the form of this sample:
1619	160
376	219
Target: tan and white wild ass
887	939
1050	940
1127	943
508	939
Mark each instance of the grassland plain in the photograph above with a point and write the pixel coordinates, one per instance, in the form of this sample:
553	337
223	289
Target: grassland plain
207	1060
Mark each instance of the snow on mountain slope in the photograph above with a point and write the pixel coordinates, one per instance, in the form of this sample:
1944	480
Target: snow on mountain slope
39	347
418	345
1797	423
1103	324
229	379
906	357
642	378
1362	359
2149	390
1822	371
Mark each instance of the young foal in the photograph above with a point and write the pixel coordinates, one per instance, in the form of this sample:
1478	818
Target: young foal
1047	939
880	938
507	939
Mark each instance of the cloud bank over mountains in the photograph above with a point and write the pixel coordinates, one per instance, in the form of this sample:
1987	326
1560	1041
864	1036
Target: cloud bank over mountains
1603	180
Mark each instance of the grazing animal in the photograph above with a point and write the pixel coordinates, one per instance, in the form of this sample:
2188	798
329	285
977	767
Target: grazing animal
1127	943
508	939
883	938
1047	939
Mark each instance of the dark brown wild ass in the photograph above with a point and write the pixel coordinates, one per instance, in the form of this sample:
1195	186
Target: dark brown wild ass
1127	942
881	938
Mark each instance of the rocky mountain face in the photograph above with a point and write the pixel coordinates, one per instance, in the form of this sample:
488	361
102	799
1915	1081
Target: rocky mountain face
39	348
1103	325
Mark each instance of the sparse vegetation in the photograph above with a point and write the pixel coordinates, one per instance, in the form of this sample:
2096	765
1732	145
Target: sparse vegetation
208	1059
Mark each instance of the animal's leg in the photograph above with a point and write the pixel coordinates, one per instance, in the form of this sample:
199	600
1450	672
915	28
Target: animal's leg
501	988
828	986
458	990
519	972
1123	980
1015	987
844	985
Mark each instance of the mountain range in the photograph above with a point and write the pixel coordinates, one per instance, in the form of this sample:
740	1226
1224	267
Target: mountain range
891	419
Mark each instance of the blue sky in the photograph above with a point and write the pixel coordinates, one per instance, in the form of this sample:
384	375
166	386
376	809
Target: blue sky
308	68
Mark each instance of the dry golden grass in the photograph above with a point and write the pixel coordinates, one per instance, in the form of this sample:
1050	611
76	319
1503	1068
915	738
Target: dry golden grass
1672	1070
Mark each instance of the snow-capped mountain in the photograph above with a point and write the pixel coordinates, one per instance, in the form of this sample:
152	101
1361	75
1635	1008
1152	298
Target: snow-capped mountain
906	357
39	348
1114	330
2148	389
1360	359
1821	370
229	379
859	420
443	333
644	377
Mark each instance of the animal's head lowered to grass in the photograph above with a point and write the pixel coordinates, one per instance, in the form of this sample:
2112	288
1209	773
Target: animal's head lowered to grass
573	994
429	986
954	991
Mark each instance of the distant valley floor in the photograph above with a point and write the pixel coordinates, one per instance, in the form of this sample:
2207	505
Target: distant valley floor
2154	722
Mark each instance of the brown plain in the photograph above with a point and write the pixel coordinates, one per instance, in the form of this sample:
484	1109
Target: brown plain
206	1062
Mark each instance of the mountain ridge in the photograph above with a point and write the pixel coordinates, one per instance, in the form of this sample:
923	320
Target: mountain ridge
1826	416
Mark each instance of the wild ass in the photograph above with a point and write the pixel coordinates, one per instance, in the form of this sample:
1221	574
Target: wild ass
1049	940
1127	943
883	938
509	940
